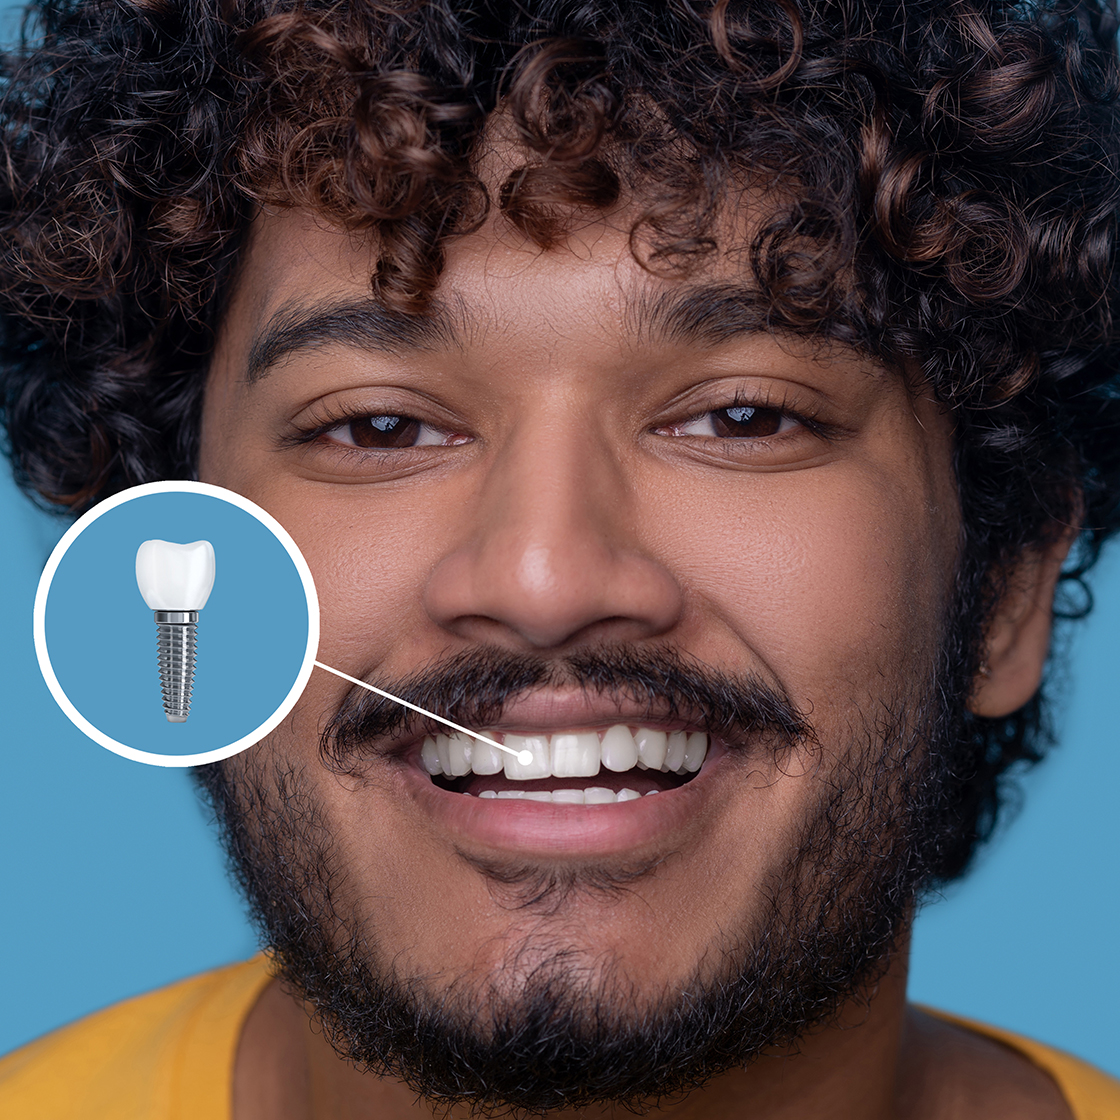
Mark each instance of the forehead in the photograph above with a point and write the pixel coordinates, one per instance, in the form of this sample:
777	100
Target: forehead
290	252
304	282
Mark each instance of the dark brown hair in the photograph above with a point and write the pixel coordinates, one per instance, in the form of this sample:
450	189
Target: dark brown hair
941	183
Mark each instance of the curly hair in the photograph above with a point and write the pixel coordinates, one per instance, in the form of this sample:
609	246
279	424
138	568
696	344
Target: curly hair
942	185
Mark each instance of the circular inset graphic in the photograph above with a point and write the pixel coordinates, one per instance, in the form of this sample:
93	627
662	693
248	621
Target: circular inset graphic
173	683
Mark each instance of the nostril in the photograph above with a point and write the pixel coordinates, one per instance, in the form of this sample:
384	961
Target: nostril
545	588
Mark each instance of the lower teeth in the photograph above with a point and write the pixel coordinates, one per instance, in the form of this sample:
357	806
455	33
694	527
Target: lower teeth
596	795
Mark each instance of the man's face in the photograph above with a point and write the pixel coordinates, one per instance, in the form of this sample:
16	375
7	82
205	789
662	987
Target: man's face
575	476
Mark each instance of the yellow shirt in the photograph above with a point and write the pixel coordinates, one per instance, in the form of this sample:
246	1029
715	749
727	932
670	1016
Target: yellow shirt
169	1055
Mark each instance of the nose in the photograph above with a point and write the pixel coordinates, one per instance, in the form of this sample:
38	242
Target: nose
553	554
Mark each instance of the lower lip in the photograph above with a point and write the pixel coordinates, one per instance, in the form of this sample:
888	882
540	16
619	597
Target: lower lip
576	830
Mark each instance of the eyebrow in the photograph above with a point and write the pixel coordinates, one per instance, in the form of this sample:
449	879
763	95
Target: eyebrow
362	324
705	315
702	315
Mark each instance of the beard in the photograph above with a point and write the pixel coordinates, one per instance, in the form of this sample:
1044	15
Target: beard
558	1033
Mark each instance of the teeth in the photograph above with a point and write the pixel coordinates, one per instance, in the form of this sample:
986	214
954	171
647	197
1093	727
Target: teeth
567	754
695	751
429	757
459	754
567	797
674	751
594	796
444	754
619	750
651	747
540	767
575	756
486	759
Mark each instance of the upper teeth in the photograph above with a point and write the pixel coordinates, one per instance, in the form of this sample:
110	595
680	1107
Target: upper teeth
568	754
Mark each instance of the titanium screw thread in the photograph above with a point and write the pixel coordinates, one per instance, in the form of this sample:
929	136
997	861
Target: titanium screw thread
177	642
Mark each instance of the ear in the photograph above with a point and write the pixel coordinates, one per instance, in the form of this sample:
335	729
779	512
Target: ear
1018	636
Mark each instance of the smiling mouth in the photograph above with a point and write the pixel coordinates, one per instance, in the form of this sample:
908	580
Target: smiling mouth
619	763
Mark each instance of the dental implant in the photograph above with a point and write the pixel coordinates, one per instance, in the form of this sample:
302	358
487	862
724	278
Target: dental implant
175	581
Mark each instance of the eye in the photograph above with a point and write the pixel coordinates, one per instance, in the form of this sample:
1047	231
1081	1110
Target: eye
386	432
739	421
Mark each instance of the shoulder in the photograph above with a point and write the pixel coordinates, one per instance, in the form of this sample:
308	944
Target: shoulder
160	1056
1090	1093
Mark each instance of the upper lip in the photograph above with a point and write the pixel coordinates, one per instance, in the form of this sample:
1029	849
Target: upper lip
547	711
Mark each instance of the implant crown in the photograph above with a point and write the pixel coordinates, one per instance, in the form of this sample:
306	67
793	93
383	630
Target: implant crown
175	577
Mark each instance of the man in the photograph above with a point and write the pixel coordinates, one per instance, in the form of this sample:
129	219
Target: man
702	398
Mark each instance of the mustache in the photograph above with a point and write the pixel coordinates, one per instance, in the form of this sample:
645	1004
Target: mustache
473	687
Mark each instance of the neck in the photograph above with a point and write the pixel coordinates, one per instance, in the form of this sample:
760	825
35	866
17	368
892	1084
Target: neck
853	1069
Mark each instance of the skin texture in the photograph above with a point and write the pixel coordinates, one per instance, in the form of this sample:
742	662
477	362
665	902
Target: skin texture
570	498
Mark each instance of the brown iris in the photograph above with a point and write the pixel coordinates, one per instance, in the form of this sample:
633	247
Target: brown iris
742	421
384	431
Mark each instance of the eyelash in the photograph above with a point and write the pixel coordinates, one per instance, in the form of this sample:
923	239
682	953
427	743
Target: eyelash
804	418
333	420
337	419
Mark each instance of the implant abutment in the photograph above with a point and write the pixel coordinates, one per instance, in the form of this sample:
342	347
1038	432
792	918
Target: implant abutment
176	618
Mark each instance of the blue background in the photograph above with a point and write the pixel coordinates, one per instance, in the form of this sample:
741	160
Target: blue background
113	883
252	633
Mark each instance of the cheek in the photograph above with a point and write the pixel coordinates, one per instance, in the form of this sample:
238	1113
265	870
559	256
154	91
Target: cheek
369	549
834	579
364	548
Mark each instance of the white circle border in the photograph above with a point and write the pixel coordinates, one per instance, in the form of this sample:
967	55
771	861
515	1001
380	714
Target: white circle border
40	627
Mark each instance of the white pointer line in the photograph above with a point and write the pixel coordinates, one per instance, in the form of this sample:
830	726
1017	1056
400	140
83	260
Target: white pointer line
524	757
